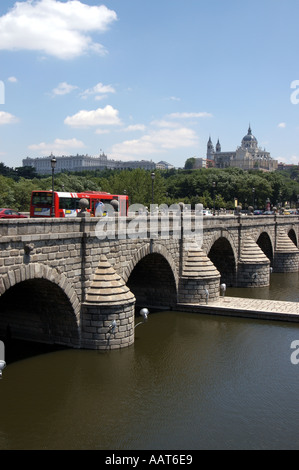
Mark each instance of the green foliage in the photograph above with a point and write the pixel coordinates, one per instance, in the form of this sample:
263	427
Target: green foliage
7	198
189	164
169	186
22	193
137	184
27	172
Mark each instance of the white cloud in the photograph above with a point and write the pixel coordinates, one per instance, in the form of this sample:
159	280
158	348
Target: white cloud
98	89
53	27
135	127
7	118
172	139
98	117
133	149
102	131
57	147
282	125
63	89
156	141
174	98
164	123
12	79
99	97
189	115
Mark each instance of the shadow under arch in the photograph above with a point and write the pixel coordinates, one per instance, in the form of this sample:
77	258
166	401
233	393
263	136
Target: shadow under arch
38	310
292	236
222	256
265	244
152	281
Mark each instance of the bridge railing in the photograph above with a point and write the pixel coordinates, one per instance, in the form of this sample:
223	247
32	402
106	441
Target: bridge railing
148	224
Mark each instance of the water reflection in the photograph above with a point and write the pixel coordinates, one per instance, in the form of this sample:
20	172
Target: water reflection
189	382
283	286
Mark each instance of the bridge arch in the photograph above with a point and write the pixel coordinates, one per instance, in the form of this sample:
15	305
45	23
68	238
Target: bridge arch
152	277
293	236
150	249
265	243
224	258
38	304
224	233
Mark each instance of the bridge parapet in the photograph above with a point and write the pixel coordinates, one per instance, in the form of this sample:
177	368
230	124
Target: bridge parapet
13	227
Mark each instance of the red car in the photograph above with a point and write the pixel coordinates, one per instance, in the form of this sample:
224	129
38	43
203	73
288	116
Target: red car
11	214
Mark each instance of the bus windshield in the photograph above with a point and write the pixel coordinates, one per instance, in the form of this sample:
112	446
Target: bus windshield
42	198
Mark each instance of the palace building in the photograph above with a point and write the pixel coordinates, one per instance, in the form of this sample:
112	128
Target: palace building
42	165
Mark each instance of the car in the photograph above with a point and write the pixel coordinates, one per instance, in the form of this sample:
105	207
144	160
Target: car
6	213
268	213
258	212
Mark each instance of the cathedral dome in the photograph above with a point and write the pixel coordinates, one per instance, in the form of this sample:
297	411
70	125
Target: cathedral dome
249	137
249	140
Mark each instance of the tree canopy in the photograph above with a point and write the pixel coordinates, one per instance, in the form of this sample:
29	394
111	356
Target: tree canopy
169	186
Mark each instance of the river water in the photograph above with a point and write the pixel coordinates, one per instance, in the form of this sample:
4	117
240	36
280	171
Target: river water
190	382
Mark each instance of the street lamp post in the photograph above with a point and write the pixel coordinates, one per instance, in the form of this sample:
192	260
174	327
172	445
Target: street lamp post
214	186
125	193
53	164
153	179
253	194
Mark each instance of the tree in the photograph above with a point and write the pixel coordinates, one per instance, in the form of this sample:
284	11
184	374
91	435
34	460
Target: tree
172	186
190	163
27	172
7	197
22	194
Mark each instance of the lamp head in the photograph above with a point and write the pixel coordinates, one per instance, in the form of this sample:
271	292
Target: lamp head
112	327
144	313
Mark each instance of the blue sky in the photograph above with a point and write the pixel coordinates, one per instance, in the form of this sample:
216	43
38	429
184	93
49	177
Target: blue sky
147	79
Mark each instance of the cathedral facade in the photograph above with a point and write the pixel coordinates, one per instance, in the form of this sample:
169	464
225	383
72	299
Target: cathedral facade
249	156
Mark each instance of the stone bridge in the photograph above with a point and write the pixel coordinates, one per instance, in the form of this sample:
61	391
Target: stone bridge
61	284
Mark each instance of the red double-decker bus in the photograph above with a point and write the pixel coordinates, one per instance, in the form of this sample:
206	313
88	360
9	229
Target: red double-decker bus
67	204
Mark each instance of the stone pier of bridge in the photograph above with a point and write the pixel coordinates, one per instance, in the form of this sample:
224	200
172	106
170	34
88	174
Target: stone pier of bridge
60	283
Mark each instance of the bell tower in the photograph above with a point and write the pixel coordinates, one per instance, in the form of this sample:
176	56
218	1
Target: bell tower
210	150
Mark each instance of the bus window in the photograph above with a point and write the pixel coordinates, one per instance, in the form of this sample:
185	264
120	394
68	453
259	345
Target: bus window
69	203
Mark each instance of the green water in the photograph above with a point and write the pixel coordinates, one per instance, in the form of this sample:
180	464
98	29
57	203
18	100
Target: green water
189	382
